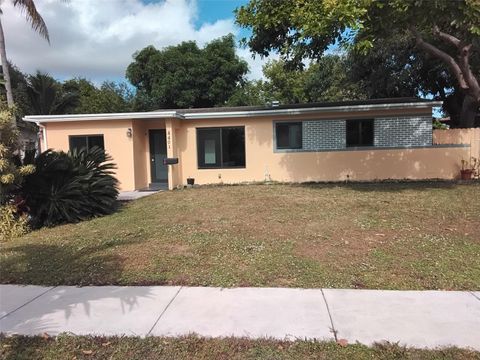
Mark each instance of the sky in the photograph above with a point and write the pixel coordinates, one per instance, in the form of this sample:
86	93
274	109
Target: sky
95	39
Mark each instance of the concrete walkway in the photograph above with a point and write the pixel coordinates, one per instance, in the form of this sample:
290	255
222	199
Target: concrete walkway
413	318
134	195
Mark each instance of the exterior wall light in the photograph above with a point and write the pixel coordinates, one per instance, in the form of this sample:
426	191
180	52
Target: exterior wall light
129	132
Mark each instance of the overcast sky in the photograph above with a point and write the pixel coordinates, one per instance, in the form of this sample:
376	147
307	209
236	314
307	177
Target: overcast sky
96	38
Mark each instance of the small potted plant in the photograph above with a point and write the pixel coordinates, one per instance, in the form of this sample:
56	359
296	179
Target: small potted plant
466	173
475	167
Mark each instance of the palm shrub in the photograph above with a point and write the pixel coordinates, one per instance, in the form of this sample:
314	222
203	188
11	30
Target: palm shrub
70	187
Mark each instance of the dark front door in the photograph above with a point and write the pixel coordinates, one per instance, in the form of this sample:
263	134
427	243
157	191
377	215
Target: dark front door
158	151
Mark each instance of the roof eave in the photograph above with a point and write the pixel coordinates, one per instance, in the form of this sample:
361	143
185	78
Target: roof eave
226	114
281	112
97	117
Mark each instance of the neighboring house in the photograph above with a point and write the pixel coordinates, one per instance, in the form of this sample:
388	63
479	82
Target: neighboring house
353	140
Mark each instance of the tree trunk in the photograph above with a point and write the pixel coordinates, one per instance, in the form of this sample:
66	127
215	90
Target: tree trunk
5	68
469	112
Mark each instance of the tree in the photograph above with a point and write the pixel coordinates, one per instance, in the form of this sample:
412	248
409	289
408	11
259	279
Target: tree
185	76
110	97
395	68
18	82
250	93
38	25
47	96
443	29
325	80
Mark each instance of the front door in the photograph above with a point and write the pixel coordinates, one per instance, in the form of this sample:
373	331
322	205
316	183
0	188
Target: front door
158	151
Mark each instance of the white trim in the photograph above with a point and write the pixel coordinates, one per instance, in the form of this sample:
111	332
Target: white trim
93	117
44	134
227	114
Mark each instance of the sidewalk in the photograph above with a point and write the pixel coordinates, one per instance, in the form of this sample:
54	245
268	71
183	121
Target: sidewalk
413	318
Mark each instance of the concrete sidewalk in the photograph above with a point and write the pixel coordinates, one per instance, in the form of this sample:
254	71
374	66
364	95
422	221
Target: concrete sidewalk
413	318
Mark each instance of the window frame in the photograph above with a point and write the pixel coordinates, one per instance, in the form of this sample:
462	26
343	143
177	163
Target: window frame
220	129
359	144
275	128
70	137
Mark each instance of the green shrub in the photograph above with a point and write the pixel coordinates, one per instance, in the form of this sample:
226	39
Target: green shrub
70	187
11	224
11	171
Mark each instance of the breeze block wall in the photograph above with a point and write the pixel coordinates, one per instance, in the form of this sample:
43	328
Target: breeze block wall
403	131
324	135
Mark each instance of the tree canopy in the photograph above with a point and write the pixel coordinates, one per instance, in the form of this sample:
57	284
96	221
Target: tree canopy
47	97
444	30
185	75
108	98
325	80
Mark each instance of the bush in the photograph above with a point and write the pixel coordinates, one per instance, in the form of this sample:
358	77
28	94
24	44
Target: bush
11	224
11	171
70	187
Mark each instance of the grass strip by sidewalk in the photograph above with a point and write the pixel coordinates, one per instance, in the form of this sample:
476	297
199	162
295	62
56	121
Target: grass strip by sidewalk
193	347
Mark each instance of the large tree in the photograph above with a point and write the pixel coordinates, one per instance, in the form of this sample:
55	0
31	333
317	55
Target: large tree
108	98
185	75
47	97
32	16
445	30
325	80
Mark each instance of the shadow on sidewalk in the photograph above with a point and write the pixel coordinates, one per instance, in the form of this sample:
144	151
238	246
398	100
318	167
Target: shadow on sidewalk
67	264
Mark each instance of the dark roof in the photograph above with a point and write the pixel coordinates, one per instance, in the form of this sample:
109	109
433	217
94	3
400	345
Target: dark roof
301	106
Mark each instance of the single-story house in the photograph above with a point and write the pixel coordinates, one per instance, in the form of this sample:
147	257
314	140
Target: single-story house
337	141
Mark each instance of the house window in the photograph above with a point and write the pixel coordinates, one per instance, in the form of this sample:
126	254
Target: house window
288	135
359	132
79	142
221	147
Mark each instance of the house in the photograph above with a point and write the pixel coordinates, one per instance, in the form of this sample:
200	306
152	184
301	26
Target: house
341	141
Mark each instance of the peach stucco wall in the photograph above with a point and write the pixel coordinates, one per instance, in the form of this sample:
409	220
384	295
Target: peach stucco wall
262	163
460	136
117	143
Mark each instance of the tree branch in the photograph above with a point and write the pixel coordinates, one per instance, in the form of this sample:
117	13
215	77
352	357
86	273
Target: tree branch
447	37
464	64
436	52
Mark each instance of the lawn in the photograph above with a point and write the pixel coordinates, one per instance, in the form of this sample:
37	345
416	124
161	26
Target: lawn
192	347
385	235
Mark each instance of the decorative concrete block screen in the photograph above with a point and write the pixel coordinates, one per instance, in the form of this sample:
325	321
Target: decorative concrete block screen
324	135
412	131
403	131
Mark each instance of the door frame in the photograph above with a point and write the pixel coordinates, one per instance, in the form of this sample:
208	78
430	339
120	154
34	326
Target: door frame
151	156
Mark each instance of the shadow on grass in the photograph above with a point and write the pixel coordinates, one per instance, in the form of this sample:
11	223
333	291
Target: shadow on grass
63	308
63	264
385	186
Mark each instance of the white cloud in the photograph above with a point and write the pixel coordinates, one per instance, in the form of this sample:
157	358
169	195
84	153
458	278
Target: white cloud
96	39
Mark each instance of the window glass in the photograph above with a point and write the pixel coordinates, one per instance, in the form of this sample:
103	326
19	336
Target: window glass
289	135
95	141
221	147
360	132
208	142
233	147
210	154
86	142
78	142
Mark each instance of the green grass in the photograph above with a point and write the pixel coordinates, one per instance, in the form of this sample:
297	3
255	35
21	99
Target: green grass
192	347
390	236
